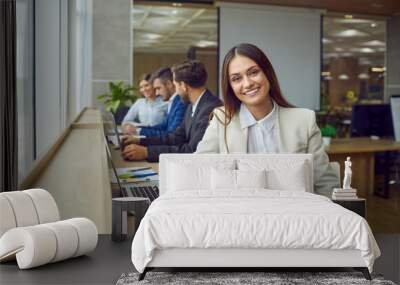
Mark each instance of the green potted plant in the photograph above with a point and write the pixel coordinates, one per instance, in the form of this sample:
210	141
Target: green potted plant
328	132
118	99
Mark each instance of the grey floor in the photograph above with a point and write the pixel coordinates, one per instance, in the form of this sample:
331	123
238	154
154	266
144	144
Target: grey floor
102	266
110	260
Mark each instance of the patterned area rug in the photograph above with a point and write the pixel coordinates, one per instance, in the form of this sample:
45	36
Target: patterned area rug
231	278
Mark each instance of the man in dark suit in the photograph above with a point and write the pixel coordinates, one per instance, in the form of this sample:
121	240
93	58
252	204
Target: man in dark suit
189	78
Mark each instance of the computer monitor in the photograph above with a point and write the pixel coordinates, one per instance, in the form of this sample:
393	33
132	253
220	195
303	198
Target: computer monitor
371	120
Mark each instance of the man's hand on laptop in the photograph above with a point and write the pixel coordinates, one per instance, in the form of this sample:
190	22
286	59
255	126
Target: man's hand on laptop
134	152
128	129
130	139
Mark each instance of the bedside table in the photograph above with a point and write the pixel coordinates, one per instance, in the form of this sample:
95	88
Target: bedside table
356	205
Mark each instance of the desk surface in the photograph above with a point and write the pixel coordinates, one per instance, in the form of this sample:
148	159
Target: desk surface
360	145
120	162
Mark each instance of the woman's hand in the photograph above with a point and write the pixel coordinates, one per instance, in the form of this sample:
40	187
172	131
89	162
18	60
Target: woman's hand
128	129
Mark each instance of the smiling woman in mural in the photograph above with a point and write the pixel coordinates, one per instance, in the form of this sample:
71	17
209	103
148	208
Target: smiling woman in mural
256	118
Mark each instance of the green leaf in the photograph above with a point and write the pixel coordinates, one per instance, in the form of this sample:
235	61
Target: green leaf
115	105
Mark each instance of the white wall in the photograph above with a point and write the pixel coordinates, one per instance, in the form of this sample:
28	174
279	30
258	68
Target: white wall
112	52
291	39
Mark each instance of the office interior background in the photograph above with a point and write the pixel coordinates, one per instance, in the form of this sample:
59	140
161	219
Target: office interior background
328	56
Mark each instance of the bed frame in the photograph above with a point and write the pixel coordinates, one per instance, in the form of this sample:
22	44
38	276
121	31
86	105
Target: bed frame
246	258
242	259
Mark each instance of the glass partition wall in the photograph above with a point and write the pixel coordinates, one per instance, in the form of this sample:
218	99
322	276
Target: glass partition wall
169	33
353	70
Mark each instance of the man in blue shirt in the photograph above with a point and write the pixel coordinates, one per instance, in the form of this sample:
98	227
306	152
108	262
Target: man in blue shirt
164	87
190	82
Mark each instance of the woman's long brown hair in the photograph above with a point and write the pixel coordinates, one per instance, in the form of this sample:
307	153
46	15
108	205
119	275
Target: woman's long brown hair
231	102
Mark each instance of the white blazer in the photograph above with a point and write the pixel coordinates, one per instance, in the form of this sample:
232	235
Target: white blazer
297	132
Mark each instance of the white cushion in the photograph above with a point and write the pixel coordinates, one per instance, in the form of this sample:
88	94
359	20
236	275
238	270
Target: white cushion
293	180
23	208
251	178
186	175
34	245
223	179
46	207
291	175
31	233
41	244
7	220
231	180
87	233
67	239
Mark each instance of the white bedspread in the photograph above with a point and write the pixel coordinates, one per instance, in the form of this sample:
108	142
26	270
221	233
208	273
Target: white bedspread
250	219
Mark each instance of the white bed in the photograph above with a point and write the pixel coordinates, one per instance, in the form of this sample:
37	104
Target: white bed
202	220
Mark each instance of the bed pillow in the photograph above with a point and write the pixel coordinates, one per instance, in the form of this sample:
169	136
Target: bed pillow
251	178
223	179
231	180
281	174
294	179
191	176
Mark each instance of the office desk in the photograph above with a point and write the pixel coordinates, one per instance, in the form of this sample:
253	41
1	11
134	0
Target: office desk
120	162
362	152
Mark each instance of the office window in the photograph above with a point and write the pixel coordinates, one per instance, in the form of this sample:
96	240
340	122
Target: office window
25	86
171	33
353	69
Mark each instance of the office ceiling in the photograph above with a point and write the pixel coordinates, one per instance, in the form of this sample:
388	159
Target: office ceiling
174	29
371	7
362	38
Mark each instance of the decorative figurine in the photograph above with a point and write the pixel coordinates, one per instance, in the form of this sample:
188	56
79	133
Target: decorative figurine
347	192
347	174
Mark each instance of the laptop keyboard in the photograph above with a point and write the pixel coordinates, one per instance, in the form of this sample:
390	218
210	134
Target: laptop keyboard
151	192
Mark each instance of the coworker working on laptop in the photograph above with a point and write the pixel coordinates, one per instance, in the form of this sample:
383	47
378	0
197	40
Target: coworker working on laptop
165	88
189	78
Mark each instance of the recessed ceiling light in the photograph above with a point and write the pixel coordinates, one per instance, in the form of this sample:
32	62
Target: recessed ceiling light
350	33
331	55
352	21
363	76
151	36
326	41
363	50
343	76
206	43
373	25
374	43
347	54
378	69
338	49
177	4
348	16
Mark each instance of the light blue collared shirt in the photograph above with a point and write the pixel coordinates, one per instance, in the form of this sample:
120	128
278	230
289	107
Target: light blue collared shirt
262	137
147	113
